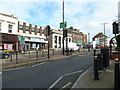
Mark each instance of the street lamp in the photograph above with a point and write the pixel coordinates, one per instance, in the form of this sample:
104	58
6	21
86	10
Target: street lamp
104	31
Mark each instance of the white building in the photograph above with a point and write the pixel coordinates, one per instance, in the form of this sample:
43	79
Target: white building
98	40
31	36
56	41
9	32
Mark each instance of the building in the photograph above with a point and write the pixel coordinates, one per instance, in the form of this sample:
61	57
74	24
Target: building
56	39
98	40
8	32
31	36
77	36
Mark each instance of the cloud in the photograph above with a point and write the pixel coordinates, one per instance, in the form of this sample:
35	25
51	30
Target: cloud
86	15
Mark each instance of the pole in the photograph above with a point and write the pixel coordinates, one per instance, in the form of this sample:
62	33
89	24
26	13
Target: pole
66	47
104	32
96	77
63	28
116	76
48	48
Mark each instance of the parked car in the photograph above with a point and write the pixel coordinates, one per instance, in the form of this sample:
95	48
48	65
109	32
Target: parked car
4	54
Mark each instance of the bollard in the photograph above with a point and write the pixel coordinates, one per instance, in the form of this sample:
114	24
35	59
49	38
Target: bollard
53	51
96	77
16	57
10	56
36	54
116	76
29	54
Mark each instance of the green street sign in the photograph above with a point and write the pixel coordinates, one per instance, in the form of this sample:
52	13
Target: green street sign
22	38
63	24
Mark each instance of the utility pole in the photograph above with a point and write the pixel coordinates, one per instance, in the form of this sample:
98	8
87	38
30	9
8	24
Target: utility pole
63	28
104	31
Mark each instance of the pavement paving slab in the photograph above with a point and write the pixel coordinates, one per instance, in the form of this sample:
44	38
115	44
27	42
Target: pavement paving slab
106	79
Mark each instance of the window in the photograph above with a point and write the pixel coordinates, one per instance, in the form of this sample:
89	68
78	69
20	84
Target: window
55	41
42	31
27	28
33	29
38	30
0	26
10	28
21	27
59	42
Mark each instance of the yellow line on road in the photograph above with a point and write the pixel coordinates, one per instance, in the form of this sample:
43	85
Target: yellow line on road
66	85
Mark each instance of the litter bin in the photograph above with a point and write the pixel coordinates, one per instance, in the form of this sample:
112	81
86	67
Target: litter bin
100	61
105	53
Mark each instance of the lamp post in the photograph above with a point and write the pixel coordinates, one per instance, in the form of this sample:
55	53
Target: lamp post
104	31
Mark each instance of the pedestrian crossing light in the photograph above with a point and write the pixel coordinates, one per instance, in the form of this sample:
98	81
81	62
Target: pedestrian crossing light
48	29
65	33
115	28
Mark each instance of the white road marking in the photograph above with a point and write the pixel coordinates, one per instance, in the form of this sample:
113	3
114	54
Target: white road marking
24	67
14	69
81	55
38	64
55	83
73	73
0	72
61	78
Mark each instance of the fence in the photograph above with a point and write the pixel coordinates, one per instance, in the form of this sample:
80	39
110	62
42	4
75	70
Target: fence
33	55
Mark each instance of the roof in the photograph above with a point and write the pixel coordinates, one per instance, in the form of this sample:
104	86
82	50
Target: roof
99	35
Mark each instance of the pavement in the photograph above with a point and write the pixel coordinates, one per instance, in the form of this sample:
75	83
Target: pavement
106	78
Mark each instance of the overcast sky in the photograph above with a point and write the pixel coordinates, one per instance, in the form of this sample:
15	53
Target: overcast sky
85	15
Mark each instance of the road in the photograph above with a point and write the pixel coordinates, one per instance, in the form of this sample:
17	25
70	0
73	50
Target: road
60	73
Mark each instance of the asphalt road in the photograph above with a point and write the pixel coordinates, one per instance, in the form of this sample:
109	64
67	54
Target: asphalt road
60	73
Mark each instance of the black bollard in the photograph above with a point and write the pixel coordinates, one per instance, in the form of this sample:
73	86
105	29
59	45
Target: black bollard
36	54
96	77
16	57
116	76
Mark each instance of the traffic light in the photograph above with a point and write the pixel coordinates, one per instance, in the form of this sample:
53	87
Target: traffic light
65	33
115	28
48	29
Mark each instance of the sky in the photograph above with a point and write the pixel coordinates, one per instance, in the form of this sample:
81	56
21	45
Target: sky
85	15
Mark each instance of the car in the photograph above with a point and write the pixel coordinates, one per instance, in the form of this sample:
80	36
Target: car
4	55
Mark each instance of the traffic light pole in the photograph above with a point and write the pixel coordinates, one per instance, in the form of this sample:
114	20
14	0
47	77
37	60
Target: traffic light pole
63	28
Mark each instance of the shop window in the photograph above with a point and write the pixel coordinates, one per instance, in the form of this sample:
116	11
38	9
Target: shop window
10	28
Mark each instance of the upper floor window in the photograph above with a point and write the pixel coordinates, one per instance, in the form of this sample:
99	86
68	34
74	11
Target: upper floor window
33	29
21	27
42	31
27	28
10	28
38	30
0	26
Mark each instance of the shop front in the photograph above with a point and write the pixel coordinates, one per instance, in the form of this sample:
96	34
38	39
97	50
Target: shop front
9	42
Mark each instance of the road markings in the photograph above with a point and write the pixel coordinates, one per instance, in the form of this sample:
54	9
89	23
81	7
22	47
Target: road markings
55	83
0	72
38	64
61	78
81	55
73	73
24	67
66	85
14	69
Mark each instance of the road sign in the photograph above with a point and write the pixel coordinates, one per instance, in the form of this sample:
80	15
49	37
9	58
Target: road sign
63	24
